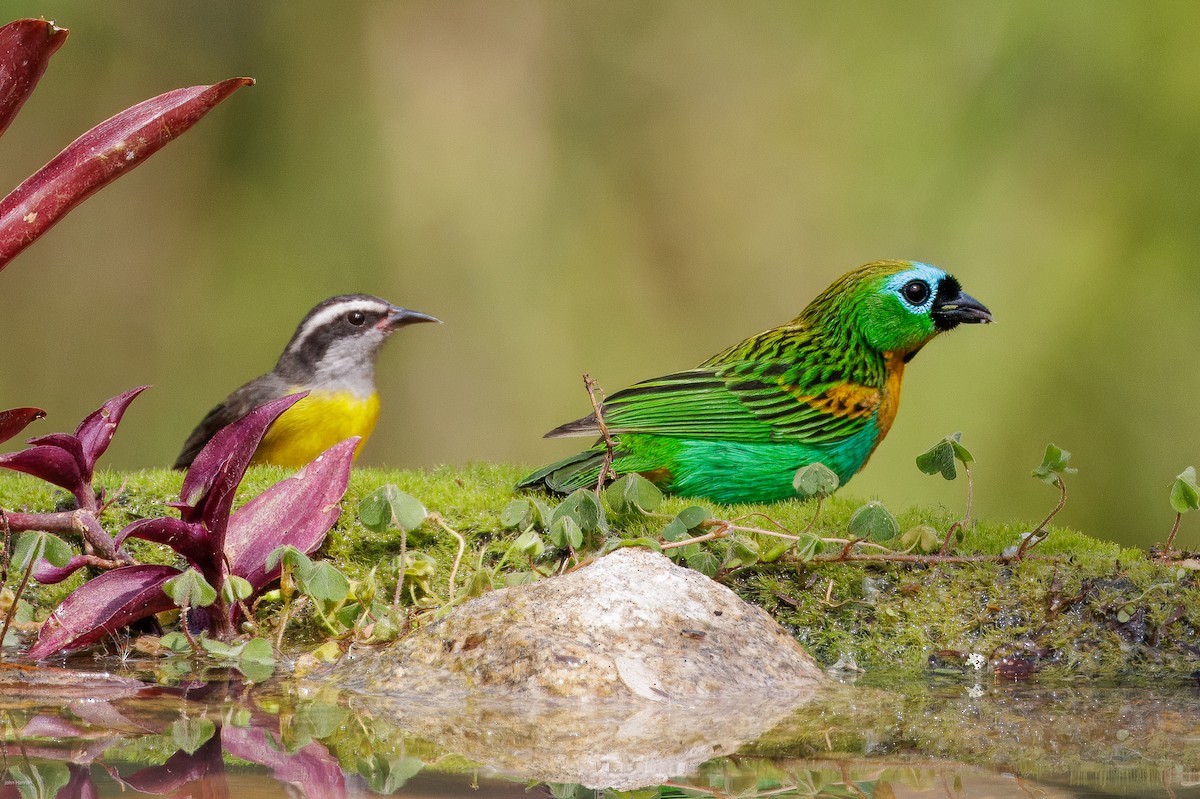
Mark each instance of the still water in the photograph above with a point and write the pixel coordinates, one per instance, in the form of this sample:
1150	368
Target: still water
82	734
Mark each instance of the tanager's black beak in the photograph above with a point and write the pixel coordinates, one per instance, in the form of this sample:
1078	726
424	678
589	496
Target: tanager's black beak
953	307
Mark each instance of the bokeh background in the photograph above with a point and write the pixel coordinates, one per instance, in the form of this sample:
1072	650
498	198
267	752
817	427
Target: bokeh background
625	188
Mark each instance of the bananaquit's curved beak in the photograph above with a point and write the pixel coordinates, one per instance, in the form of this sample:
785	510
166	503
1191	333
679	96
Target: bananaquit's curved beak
960	309
400	317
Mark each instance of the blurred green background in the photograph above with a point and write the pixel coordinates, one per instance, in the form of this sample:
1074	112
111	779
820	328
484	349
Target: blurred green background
625	188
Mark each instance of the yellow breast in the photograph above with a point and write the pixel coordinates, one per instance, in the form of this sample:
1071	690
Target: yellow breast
316	423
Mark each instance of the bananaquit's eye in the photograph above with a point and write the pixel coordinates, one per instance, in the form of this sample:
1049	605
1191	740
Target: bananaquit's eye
915	292
356	318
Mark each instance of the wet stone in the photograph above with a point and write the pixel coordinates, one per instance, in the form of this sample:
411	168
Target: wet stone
631	626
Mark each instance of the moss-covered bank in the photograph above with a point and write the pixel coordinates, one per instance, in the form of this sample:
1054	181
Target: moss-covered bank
1091	609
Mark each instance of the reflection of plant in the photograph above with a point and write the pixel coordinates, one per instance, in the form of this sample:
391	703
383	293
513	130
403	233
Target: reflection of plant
225	550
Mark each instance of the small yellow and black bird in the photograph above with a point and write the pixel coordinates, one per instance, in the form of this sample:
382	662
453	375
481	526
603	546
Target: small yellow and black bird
332	357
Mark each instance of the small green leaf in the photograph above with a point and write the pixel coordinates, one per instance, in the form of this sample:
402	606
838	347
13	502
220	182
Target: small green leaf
584	508
873	521
220	649
1054	464
542	514
774	551
807	546
961	452
704	561
633	494
516	514
290	556
236	589
1185	494
1123	616
529	544
692	517
190	590
675	530
324	583
388	507
742	552
34	545
419	565
480	582
191	734
921	538
566	532
258	649
816	480
175	641
939	459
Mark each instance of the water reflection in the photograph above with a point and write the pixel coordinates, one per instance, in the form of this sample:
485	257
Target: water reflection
222	738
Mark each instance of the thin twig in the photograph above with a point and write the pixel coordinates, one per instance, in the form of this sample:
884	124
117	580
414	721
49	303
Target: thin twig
606	469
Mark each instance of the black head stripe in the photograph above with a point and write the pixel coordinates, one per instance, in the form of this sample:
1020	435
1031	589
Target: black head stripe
948	289
327	323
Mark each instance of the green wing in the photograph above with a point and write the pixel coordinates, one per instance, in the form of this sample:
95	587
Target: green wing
752	402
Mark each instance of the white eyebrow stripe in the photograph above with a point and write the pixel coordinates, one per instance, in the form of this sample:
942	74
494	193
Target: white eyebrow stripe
327	315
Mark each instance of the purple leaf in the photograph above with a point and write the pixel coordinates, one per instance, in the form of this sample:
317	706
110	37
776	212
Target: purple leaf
186	538
212	480
15	420
99	156
96	430
25	49
66	442
52	464
46	574
312	766
298	511
104	605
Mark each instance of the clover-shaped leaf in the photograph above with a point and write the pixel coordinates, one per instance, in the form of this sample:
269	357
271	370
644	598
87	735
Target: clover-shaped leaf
1054	464
35	545
815	481
190	590
873	521
517	514
921	538
940	458
1185	494
390	508
583	507
633	494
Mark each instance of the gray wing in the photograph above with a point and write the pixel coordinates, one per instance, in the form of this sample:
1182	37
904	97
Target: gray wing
234	407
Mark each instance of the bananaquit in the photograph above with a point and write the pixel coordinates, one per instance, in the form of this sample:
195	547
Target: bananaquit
332	357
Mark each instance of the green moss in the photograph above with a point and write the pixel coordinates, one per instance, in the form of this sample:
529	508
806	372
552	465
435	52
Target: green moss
1084	606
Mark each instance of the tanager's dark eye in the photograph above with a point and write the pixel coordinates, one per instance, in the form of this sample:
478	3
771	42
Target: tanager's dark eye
356	318
915	292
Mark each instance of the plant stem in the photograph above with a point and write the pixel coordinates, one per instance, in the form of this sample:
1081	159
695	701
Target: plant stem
462	545
73	522
403	566
1166	553
1062	500
12	609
